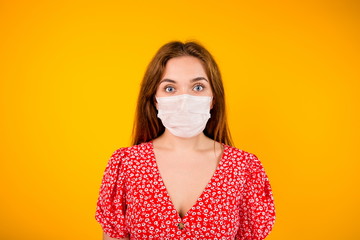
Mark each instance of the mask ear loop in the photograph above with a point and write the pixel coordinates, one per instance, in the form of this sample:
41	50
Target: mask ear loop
212	103
155	102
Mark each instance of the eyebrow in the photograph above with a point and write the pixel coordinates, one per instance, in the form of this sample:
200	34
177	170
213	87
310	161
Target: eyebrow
192	80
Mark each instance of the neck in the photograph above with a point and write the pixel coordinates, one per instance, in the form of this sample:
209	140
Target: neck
171	142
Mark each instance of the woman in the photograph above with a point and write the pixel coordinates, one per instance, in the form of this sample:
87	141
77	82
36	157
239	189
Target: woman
182	178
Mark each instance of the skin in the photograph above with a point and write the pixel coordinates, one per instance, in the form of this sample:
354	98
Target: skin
185	164
106	237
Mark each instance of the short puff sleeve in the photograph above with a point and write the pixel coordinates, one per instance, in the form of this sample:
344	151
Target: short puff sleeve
111	205
257	209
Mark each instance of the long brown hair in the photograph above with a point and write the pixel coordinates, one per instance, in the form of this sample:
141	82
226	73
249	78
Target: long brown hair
147	126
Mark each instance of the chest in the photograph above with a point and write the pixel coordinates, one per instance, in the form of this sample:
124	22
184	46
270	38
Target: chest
162	193
186	178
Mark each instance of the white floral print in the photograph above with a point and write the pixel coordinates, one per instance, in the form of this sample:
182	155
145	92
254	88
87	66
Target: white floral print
237	203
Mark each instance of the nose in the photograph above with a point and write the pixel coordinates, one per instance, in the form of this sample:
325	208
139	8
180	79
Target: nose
184	90
182	102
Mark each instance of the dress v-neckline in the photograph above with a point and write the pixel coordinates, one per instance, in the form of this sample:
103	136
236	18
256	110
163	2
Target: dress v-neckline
165	191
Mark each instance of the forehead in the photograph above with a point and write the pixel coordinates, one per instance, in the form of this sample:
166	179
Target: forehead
184	66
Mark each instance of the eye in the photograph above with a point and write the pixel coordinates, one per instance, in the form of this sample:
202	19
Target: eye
169	89
198	88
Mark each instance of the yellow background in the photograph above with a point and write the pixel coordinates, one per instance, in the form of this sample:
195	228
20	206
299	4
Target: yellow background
70	74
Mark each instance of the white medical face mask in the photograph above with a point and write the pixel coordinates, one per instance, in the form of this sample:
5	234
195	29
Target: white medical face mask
184	115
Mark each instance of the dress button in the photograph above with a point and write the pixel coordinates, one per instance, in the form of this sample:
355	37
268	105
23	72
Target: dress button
181	226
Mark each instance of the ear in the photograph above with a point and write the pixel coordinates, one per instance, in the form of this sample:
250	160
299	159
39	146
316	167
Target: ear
156	104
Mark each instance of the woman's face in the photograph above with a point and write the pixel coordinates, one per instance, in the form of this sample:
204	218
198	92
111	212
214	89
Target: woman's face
184	75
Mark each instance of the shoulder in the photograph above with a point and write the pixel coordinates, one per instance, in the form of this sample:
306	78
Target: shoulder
123	158
239	154
124	154
142	148
243	159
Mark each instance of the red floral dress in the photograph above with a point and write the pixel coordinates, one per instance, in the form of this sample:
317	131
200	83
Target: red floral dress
236	204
